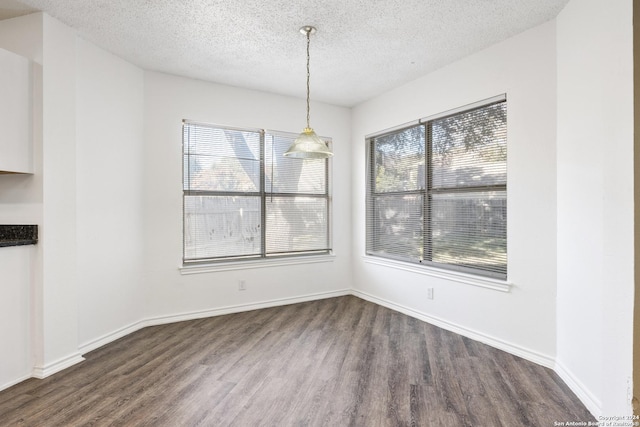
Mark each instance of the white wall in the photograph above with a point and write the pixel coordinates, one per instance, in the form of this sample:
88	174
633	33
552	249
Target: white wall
169	100
47	198
109	193
85	272
56	293
21	203
595	202
523	320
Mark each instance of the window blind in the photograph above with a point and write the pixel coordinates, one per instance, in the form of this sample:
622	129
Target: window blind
437	192
297	203
243	199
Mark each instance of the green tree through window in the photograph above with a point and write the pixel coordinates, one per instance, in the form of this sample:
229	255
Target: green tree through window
437	192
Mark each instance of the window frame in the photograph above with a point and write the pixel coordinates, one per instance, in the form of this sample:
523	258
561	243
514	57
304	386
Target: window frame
427	191
263	258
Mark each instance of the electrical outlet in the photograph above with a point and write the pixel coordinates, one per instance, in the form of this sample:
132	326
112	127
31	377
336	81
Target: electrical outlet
429	293
242	285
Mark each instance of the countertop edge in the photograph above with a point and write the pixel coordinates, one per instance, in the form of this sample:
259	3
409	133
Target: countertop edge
18	235
9	243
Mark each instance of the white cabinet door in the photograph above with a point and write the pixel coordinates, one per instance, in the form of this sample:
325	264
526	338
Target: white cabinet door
15	314
16	152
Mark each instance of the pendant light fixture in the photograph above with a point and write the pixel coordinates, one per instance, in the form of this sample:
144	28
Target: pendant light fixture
308	145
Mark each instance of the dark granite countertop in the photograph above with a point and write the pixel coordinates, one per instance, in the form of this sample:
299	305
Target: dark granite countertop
18	235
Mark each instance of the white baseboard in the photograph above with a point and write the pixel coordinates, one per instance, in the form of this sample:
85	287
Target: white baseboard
160	320
14	382
41	372
57	366
110	337
588	399
200	314
514	349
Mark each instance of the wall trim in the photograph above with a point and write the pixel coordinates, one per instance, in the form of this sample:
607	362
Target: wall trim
259	263
525	353
589	400
61	364
454	276
111	336
200	314
160	320
14	382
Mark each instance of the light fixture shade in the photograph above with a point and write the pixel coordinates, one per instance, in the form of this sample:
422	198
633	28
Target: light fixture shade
308	145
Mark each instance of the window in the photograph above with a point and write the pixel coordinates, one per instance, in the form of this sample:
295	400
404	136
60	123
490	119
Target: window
437	191
243	199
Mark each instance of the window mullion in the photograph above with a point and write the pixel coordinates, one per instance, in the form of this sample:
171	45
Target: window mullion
372	240
419	192
428	231
470	189
186	148
220	193
263	197
326	194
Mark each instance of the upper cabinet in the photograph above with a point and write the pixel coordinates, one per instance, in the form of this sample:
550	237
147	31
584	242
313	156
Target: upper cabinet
16	147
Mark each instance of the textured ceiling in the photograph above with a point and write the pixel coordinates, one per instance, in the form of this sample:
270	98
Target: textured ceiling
362	47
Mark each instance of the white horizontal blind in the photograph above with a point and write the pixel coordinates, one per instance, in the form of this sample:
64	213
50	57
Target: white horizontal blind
451	213
397	182
222	198
297	200
244	199
468	190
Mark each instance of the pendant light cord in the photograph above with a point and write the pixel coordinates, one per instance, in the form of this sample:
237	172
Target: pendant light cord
308	77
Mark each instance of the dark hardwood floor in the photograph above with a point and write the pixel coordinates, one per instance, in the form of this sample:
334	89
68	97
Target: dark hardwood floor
334	362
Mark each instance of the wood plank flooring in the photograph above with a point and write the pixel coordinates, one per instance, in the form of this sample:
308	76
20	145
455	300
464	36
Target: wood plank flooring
334	362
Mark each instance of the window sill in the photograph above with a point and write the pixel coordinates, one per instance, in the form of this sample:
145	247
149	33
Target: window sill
468	279
244	265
